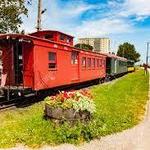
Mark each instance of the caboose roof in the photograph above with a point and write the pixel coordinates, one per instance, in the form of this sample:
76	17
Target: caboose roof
50	31
31	38
16	36
26	37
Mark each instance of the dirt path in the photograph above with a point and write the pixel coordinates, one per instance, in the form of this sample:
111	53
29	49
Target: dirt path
137	138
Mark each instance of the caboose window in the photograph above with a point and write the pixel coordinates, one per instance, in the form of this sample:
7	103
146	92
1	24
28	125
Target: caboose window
93	62
84	62
52	60
49	36
100	63
103	62
62	37
89	62
74	57
97	62
68	40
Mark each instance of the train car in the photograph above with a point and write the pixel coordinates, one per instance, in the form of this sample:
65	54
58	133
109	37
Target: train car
130	65
45	60
115	66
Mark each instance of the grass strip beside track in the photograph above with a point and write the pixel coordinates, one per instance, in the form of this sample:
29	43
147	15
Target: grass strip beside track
120	105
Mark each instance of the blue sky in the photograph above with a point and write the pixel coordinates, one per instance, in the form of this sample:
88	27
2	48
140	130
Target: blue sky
120	20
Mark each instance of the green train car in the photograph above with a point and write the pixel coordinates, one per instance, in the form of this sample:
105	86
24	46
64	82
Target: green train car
115	66
130	65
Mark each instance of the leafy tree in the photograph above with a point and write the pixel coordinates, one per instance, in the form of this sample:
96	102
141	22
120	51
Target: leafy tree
84	46
128	51
10	15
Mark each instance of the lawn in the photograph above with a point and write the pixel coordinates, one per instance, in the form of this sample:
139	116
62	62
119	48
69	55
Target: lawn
120	105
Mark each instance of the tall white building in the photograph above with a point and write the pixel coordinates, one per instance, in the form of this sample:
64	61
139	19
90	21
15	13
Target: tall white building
99	44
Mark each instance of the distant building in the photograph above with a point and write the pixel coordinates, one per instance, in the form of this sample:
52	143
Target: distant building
99	44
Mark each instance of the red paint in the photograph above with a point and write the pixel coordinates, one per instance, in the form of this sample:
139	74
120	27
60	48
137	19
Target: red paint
36	71
7	60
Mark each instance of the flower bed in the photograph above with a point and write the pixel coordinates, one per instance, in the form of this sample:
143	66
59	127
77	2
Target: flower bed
76	105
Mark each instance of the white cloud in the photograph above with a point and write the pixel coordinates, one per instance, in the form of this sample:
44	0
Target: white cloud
71	10
57	16
102	27
66	17
138	8
74	10
67	20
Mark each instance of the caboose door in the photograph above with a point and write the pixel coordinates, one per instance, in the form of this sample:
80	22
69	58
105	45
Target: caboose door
75	66
18	62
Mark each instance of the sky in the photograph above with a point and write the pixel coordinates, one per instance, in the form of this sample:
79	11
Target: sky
120	20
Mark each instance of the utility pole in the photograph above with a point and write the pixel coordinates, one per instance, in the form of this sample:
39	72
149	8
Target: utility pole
147	53
39	15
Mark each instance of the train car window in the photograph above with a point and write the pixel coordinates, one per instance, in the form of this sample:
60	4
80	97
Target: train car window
52	60
88	62
103	62
62	37
121	63
97	62
74	57
49	37
100	63
68	39
83	62
93	62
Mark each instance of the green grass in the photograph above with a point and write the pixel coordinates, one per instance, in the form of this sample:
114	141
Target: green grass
120	105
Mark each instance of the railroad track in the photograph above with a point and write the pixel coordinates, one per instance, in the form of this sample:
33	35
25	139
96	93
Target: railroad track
15	102
31	98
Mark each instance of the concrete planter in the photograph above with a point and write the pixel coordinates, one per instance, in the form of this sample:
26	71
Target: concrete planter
66	114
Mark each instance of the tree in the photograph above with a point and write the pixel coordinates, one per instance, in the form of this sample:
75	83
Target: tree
84	46
10	15
128	51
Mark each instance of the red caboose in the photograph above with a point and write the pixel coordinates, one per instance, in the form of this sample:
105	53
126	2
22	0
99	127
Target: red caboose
47	59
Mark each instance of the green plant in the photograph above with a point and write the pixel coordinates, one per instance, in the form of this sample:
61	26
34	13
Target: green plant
78	100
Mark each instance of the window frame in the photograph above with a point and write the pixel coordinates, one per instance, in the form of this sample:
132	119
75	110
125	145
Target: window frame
83	65
93	63
97	63
62	37
74	58
52	61
100	62
68	39
103	62
49	37
88	64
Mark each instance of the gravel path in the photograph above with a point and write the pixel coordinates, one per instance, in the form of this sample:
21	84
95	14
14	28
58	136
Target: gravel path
137	138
